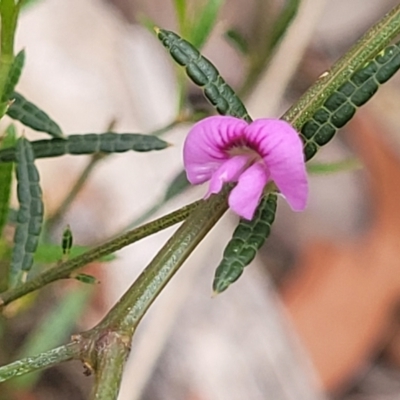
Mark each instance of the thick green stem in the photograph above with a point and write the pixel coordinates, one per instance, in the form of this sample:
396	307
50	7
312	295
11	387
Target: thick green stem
44	360
128	312
375	40
65	269
112	350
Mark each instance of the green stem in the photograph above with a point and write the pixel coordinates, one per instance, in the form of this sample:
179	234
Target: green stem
44	360
128	312
65	269
8	16
77	187
112	351
375	40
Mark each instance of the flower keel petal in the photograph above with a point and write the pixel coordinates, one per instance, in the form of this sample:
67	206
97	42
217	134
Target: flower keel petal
246	195
229	171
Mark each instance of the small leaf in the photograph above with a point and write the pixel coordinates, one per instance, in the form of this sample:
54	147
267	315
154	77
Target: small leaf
238	41
30	213
203	73
90	143
85	278
6	171
178	185
30	115
13	76
67	240
247	238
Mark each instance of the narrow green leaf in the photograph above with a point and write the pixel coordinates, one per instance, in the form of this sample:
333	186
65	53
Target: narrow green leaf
203	73
11	81
53	330
247	238
340	107
28	3
284	20
14	75
178	185
204	23
6	171
87	279
67	240
30	115
350	164
180	10
237	40
90	143
30	213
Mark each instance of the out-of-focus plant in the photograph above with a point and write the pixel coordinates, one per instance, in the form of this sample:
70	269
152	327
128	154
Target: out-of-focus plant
30	261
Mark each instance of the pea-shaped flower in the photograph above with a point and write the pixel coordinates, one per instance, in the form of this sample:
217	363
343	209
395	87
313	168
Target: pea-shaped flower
227	149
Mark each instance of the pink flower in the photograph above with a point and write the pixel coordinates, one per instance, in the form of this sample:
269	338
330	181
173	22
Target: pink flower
227	149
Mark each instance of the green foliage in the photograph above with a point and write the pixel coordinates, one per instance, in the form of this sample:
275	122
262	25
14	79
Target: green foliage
67	240
30	115
203	73
247	238
30	213
90	143
13	76
196	19
6	171
340	107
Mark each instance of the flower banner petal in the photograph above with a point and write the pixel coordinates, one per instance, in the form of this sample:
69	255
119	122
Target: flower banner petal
282	150
206	144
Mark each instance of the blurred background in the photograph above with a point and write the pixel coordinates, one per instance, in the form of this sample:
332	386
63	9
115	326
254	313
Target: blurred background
316	315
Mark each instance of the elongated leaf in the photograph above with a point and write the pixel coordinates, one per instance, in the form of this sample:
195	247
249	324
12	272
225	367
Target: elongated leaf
340	107
30	115
237	40
6	178
204	23
30	213
13	76
247	238
90	143
203	73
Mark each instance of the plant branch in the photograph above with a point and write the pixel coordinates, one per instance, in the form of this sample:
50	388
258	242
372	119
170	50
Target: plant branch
78	185
64	269
371	43
112	351
44	360
127	313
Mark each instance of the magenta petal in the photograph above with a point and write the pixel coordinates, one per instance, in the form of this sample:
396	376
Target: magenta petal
282	150
246	195
206	143
229	171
